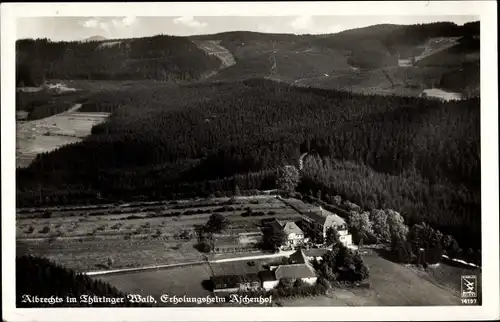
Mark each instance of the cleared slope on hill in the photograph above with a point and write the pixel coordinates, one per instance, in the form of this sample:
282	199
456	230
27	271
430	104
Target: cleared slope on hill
359	60
301	59
465	51
397	80
213	47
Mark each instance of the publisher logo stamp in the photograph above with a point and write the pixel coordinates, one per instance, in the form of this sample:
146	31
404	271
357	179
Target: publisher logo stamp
469	286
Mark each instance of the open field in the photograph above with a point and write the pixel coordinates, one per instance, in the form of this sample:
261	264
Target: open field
391	284
440	94
146	235
91	254
47	134
191	280
178	281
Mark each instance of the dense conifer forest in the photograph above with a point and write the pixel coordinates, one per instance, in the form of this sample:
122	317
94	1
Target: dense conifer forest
415	155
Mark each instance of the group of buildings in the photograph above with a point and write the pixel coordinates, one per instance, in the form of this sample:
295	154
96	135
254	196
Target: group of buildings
320	219
298	268
317	219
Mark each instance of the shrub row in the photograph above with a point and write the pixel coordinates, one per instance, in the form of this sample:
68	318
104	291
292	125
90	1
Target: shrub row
257	213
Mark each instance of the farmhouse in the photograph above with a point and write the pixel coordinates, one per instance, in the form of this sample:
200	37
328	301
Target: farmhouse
235	283
299	267
269	280
294	235
325	219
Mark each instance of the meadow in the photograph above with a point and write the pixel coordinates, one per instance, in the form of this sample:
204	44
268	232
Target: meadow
390	283
47	134
88	239
393	284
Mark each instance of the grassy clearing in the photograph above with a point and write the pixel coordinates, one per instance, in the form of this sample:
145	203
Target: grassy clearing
44	134
448	275
47	134
242	267
391	285
172	281
93	255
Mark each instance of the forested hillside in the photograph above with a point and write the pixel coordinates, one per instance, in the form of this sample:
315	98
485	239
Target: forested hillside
165	58
356	60
334	61
161	140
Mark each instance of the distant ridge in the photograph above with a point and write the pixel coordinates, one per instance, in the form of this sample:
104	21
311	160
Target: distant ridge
95	38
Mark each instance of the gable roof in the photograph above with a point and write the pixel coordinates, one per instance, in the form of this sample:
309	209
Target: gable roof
275	224
294	271
316	217
322	217
299	257
267	276
291	227
333	217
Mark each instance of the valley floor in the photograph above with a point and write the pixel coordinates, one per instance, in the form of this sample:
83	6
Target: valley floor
391	284
139	235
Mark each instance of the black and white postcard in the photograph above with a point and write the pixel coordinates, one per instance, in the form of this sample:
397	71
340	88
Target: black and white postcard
250	161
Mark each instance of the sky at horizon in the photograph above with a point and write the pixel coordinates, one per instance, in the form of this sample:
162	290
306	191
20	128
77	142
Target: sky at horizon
79	28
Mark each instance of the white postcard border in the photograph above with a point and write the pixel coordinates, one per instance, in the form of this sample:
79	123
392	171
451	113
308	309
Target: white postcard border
486	10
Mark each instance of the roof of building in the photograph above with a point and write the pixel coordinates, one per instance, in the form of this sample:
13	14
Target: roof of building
294	271
275	224
299	257
291	227
267	276
322	216
232	281
315	216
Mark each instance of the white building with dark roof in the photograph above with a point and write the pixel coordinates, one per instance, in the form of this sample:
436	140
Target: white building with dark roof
326	219
294	235
299	267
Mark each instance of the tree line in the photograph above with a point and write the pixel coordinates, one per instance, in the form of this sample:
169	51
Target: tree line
162	57
452	208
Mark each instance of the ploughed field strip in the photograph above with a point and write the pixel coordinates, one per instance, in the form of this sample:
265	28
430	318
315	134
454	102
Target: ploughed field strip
86	239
